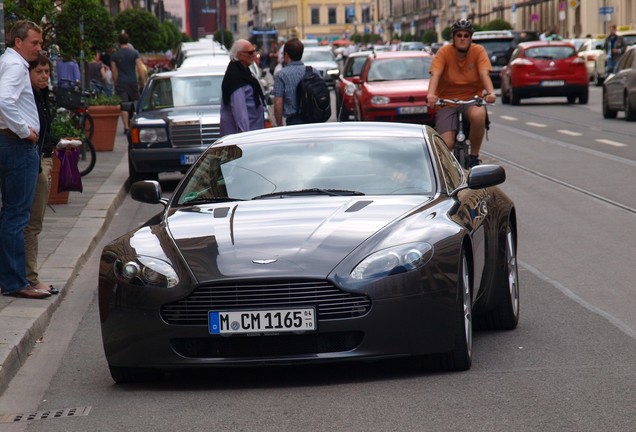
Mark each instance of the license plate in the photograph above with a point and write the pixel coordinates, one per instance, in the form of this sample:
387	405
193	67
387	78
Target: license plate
413	110
189	159
554	83
262	321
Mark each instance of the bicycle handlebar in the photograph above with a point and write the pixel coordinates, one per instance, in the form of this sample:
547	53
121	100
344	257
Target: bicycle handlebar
476	100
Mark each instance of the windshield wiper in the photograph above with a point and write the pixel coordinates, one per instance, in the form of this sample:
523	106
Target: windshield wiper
312	191
213	200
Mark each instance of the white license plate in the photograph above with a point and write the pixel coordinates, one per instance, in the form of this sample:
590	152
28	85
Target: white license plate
554	83
189	159
413	110
262	321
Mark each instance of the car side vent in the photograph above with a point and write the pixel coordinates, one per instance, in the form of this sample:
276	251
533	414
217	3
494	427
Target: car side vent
358	206
221	212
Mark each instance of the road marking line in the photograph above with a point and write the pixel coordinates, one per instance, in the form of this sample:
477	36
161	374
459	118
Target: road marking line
567	132
539	125
508	118
610	142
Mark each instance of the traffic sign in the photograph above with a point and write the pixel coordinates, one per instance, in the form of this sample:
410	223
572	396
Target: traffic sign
574	3
606	10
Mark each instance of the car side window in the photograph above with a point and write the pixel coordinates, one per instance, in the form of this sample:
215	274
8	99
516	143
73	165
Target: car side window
626	61
451	172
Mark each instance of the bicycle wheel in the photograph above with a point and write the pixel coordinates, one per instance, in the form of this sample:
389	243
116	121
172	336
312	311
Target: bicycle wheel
87	124
87	157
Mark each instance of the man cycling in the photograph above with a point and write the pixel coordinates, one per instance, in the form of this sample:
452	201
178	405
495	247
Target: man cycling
461	70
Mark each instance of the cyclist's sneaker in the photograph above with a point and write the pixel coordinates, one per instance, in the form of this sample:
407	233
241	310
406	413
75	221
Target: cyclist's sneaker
473	161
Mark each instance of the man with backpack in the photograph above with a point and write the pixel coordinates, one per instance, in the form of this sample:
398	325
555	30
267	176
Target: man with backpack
300	94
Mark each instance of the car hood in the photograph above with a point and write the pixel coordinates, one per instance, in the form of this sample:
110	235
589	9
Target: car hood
203	113
297	236
408	87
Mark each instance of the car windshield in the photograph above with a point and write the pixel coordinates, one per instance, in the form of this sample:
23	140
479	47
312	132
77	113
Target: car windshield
182	91
498	50
550	52
629	39
309	167
406	68
317	56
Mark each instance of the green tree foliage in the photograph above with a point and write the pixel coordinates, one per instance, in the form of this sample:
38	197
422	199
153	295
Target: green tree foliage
429	37
98	26
142	28
226	38
170	35
446	33
42	12
498	24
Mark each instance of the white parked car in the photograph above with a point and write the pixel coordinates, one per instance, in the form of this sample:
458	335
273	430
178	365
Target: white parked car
595	59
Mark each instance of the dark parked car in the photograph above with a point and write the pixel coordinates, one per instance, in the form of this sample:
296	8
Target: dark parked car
499	45
313	243
619	89
323	61
544	69
177	118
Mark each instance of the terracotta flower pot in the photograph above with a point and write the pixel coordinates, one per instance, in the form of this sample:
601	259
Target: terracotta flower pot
105	118
56	197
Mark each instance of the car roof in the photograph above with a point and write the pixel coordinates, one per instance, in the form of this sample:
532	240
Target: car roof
198	71
533	44
493	34
399	54
327	130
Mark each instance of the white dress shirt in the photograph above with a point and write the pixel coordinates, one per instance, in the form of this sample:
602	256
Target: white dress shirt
18	111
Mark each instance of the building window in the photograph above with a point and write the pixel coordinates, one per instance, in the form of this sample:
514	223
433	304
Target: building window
233	2
234	24
350	14
315	16
332	16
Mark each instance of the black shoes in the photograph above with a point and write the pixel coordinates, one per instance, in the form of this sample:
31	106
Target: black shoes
473	161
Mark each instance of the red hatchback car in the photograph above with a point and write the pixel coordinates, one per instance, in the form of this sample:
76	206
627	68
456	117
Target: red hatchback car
543	69
350	75
393	88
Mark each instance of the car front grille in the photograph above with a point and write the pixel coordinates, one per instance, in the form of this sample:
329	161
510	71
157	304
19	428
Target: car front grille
329	301
266	346
194	134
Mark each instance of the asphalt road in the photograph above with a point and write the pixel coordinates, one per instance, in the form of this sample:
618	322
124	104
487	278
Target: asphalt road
567	367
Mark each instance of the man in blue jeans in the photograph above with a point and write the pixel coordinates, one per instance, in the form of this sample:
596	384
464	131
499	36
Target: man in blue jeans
19	156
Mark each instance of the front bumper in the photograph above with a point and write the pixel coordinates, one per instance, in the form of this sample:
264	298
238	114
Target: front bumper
165	159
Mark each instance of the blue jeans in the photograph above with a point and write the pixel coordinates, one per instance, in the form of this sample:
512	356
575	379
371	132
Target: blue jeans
19	167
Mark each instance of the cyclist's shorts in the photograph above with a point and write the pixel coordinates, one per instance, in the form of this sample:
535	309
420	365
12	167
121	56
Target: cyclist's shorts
445	119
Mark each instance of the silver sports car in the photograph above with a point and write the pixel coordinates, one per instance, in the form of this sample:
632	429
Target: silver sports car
313	243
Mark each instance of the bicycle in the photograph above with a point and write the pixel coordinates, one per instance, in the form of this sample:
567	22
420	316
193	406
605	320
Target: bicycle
74	102
461	149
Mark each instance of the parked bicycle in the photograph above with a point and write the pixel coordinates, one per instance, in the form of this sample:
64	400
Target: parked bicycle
461	148
75	101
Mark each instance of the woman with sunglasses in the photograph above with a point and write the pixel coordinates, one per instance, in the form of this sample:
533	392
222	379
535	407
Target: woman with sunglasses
461	70
243	105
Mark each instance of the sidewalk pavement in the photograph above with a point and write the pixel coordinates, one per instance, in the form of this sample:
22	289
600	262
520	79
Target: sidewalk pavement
69	234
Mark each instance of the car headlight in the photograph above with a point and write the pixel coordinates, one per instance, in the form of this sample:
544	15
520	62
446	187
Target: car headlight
152	135
394	260
380	100
146	271
333	72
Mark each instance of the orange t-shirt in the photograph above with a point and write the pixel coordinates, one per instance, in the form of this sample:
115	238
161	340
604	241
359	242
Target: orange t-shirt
459	79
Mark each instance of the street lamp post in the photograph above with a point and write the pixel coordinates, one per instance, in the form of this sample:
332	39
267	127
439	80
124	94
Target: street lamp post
473	6
452	8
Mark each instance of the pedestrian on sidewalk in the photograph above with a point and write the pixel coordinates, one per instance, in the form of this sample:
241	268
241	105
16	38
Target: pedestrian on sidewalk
243	104
67	72
40	71
19	156
286	83
125	64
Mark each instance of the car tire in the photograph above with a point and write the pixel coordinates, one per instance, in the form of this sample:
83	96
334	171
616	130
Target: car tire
130	375
598	80
515	99
505	97
505	316
460	357
571	99
630	112
607	112
135	176
584	96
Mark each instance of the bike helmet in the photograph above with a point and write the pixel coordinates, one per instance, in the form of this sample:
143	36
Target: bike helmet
462	24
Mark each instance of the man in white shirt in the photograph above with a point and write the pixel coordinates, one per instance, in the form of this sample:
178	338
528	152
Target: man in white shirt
19	156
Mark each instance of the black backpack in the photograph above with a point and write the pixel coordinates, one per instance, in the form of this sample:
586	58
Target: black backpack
314	99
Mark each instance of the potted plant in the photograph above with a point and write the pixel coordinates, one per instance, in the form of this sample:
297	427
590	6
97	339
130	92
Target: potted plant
105	111
61	127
